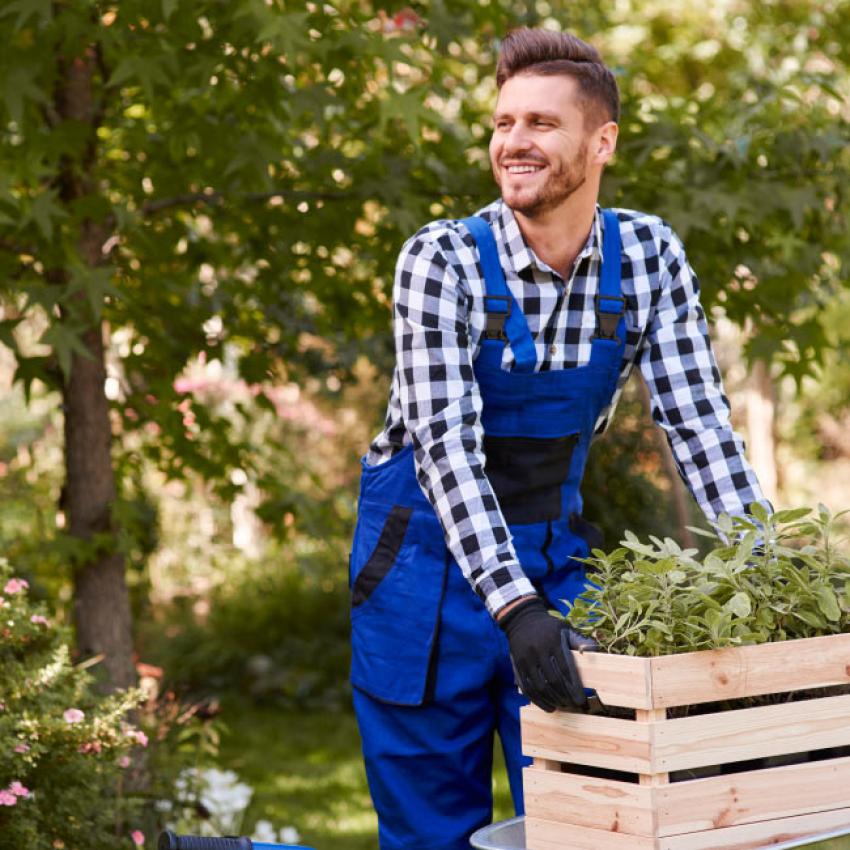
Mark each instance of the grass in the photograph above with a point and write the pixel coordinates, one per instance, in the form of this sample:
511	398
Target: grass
306	771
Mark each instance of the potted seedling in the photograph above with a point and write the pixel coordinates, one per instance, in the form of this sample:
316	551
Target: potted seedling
723	695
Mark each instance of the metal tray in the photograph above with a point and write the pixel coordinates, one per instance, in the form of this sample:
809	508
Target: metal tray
510	835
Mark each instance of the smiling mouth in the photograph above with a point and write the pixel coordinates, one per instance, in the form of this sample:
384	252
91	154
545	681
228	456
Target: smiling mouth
523	169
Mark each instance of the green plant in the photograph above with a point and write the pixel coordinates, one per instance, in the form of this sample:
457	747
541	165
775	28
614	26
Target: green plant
773	578
65	747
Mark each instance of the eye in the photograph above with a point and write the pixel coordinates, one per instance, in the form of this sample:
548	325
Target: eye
542	123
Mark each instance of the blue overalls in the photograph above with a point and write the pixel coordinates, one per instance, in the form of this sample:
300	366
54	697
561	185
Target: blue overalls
431	669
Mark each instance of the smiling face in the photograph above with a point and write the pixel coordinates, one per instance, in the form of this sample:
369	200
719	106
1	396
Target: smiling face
539	151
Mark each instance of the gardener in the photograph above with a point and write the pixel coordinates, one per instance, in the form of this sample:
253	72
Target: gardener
515	332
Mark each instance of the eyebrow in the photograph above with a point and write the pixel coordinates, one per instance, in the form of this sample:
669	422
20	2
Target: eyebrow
549	116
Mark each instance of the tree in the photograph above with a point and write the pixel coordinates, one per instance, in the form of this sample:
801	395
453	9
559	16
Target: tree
216	179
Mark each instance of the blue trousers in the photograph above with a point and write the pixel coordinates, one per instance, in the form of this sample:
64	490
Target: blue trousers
430	767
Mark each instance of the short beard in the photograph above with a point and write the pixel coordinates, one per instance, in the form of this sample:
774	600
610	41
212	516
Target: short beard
560	186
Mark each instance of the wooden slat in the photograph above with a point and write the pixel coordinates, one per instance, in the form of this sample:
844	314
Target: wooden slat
757	795
754	836
586	739
603	804
541	834
769	730
652	719
742	671
619	680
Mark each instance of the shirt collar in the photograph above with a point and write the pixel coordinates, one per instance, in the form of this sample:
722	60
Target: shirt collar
521	256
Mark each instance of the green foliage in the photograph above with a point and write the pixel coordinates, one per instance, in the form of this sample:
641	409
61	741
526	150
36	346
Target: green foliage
250	169
783	577
275	631
65	747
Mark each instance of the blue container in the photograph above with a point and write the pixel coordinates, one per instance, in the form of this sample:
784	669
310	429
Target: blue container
169	841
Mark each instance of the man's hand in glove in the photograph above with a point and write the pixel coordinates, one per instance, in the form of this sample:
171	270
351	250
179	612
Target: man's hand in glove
540	650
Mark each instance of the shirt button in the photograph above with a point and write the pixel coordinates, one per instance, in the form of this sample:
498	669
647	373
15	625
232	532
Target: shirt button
553	349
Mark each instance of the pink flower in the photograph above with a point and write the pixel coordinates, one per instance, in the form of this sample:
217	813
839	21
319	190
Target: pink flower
138	736
124	761
90	747
39	620
22	748
7	798
73	715
18	790
138	837
16	585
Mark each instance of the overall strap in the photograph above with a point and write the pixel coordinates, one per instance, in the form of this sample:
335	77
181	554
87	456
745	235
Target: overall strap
610	304
505	320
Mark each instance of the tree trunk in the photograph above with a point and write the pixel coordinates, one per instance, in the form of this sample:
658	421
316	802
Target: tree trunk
761	428
101	603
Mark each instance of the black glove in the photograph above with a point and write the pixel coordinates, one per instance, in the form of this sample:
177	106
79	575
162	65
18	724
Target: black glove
540	651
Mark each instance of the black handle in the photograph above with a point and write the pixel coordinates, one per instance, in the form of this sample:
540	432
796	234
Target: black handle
169	841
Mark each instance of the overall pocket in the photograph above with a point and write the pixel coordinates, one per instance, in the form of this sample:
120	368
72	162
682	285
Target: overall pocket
527	474
398	571
383	556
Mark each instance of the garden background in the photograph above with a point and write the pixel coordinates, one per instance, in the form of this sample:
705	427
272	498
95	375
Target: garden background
201	204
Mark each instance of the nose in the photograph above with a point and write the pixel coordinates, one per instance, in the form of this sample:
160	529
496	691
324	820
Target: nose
517	140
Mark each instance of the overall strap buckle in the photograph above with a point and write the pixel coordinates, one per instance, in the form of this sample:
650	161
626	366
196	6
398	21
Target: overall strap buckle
496	317
608	315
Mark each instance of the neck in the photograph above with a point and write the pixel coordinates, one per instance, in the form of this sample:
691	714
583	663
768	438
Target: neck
556	236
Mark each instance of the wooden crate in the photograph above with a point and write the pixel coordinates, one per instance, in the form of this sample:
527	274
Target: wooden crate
641	808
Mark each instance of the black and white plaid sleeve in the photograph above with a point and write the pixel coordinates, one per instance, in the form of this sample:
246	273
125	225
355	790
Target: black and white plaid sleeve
687	397
440	405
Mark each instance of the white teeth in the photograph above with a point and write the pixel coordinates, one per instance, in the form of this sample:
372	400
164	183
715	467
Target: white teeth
523	169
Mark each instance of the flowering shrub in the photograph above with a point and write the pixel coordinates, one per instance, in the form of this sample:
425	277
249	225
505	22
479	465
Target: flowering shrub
63	746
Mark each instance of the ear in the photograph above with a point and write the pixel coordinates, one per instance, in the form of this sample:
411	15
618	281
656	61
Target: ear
604	143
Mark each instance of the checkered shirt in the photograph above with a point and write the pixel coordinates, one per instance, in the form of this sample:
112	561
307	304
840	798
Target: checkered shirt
435	402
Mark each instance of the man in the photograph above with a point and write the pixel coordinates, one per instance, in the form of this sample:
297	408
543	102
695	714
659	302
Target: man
515	331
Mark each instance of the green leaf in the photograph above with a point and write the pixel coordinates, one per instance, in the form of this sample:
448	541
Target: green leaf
759	511
65	342
96	283
18	86
42	9
739	605
7	336
709	602
791	515
724	523
809	617
146	71
44	210
828	603
701	532
29	369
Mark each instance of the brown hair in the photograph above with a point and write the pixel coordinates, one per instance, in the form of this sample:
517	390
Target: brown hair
539	51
